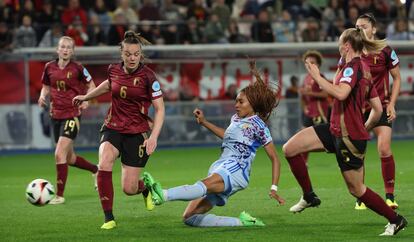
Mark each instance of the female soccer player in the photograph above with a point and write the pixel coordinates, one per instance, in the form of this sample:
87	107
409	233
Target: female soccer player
62	80
134	87
314	99
383	64
231	172
346	134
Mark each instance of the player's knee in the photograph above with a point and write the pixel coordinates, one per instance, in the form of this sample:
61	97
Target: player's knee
356	191
60	157
287	150
384	150
129	190
189	219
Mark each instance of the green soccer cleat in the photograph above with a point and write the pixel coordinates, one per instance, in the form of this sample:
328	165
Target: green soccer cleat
154	187
247	220
109	225
149	204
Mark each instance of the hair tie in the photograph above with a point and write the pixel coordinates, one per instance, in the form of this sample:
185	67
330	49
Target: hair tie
358	30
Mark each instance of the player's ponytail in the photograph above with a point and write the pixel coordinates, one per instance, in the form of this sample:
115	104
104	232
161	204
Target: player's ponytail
358	40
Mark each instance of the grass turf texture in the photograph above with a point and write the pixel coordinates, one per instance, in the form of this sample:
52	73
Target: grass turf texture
81	216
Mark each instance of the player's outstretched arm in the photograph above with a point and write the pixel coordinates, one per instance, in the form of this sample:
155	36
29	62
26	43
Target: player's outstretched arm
199	115
43	94
271	153
91	86
396	84
103	88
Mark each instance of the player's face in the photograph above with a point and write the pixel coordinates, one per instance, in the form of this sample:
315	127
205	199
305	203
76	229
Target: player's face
243	107
311	59
131	55
366	26
65	49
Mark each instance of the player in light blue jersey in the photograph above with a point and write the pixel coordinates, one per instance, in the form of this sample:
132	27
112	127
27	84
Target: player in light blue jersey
231	172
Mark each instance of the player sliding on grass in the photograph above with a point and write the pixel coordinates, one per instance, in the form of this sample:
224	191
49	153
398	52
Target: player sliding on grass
346	135
231	172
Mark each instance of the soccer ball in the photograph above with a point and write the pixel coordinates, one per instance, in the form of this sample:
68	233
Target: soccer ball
39	192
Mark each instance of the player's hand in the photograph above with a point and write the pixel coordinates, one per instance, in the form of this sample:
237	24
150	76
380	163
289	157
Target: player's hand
42	102
391	114
274	195
150	145
313	70
78	100
84	105
199	115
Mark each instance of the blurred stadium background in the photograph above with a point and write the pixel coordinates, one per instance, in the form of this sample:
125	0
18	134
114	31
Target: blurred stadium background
200	50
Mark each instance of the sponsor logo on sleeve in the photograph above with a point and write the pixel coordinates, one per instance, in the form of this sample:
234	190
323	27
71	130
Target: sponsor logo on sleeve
88	76
156	86
157	93
348	72
394	58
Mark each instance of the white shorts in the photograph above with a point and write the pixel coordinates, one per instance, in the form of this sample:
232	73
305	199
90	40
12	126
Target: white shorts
235	178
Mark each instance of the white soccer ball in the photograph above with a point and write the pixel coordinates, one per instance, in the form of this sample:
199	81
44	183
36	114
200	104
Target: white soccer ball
39	192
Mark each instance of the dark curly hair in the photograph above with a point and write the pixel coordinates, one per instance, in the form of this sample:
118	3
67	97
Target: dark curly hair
262	97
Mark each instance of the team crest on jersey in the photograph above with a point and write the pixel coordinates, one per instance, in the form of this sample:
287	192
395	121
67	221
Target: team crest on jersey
348	72
156	86
68	75
136	81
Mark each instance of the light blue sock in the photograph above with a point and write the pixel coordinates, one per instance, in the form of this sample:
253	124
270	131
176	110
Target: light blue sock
211	220
186	192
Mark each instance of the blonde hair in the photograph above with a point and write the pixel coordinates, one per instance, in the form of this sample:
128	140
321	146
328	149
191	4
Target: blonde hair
261	96
358	41
67	38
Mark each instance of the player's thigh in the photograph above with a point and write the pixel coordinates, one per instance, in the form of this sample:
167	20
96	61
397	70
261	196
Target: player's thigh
198	206
383	134
303	141
107	156
130	177
214	183
64	146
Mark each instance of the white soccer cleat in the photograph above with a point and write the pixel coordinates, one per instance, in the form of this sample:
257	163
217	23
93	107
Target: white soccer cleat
393	229
57	200
303	204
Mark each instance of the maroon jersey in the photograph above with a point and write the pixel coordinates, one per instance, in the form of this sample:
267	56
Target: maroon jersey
314	106
64	85
347	116
132	95
380	65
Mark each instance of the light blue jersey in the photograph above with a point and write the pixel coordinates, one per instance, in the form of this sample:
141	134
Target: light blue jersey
240	142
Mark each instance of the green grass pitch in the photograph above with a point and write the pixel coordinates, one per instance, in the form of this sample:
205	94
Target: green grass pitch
80	218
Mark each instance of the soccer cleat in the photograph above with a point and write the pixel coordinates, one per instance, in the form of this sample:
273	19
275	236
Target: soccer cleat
247	220
149	204
303	204
391	203
57	200
154	187
393	229
109	225
360	205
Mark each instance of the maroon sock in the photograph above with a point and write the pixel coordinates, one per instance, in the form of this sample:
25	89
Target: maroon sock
377	204
62	175
305	157
81	163
388	173
141	187
106	190
300	171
